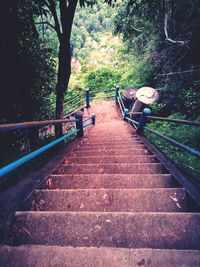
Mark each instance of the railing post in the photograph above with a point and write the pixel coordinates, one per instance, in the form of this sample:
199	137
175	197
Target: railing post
143	120
126	115
79	124
87	98
116	93
93	118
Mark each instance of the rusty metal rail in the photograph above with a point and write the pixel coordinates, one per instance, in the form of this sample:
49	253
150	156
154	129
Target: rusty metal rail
24	125
155	118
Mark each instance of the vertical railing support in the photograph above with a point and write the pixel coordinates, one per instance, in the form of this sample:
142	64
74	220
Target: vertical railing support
143	120
93	118
79	124
116	93
87	98
126	115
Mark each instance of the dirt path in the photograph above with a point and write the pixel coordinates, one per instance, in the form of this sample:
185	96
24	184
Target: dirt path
105	111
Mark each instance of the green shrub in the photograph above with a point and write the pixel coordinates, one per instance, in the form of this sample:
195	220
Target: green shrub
102	79
185	134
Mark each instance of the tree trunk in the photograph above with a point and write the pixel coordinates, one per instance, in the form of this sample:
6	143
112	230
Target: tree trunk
64	71
64	66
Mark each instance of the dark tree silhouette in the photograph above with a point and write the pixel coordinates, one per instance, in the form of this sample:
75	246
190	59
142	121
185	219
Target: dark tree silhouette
63	12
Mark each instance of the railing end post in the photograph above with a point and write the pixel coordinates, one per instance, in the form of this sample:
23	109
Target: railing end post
87	98
143	120
93	117
126	114
79	124
116	92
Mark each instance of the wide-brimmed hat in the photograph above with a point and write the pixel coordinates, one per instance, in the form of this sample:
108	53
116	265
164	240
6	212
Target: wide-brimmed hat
147	95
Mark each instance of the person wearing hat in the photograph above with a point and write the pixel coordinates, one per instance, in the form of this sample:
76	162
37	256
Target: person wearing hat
144	96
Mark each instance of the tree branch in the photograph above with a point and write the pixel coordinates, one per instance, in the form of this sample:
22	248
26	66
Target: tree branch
135	29
47	23
178	72
167	36
52	8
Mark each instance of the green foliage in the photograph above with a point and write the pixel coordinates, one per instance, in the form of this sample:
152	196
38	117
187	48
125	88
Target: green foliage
87	24
102	79
137	74
185	134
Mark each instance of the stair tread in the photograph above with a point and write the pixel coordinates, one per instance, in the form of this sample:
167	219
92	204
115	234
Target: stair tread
115	152
109	181
112	229
92	168
109	159
169	199
32	255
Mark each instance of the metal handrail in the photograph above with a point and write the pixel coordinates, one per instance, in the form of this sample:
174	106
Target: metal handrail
145	115
186	122
73	106
71	100
122	102
73	112
120	105
170	140
175	143
30	124
14	165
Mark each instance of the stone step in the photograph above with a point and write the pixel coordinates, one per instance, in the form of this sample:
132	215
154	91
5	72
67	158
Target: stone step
109	181
109	147
40	255
111	143
116	152
111	137
115	168
111	159
118	229
109	200
117	133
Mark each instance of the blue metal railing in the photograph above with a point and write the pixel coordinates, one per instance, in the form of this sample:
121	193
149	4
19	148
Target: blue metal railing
79	131
141	125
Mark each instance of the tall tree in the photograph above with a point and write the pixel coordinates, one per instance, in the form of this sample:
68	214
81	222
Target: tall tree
63	12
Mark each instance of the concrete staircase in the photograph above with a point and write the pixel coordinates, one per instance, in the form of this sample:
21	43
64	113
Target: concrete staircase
109	203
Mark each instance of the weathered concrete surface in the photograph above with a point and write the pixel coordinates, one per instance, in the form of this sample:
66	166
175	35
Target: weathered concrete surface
110	139
110	181
109	147
114	152
51	256
119	159
111	143
111	200
127	168
108	229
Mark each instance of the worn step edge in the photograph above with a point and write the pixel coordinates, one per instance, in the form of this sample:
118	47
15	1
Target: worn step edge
130	150
30	255
121	143
111	159
109	181
129	168
109	147
111	152
135	200
113	229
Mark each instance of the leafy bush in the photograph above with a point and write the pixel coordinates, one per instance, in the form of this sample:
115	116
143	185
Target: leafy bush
185	134
102	79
